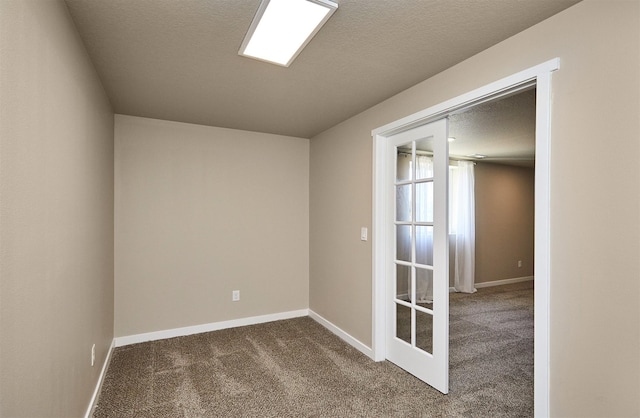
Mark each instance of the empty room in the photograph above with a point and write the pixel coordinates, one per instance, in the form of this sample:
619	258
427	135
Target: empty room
189	228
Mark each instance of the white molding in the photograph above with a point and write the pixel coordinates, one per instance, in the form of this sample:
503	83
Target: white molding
103	372
213	326
542	249
379	242
540	76
503	281
353	342
486	284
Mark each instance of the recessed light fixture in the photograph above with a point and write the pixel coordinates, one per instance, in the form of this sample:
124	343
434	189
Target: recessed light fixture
451	139
282	28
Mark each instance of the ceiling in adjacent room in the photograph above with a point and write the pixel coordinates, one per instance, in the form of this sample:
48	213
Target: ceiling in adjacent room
178	60
503	130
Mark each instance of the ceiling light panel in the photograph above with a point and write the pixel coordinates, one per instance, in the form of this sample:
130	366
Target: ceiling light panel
282	28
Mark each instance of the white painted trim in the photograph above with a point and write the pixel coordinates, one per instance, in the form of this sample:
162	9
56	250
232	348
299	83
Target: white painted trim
540	76
352	341
503	281
542	249
103	372
380	215
214	326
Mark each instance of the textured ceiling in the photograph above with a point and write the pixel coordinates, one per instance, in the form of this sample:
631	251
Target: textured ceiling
178	59
504	130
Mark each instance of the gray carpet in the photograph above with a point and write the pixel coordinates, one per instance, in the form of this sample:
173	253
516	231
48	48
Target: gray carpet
296	368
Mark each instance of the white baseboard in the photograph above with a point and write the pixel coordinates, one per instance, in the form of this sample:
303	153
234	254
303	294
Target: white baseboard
214	326
355	343
103	372
485	284
504	281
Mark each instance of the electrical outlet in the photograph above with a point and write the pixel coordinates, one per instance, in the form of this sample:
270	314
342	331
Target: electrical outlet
519	263
235	295
93	355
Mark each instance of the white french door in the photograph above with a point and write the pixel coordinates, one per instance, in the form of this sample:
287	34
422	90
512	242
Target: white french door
384	190
417	266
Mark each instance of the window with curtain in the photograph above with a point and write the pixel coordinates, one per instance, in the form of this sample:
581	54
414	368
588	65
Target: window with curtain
464	225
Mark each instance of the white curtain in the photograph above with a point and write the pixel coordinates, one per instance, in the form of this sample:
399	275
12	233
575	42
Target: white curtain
424	235
465	230
403	235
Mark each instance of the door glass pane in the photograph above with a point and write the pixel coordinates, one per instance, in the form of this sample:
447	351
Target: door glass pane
403	282
403	323
424	245
403	242
424	202
403	203
424	167
425	144
403	165
424	331
424	287
424	161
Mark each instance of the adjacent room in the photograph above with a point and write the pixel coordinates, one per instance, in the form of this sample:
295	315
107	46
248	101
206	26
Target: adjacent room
188	227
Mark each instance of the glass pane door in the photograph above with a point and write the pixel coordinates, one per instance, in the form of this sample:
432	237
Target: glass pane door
417	314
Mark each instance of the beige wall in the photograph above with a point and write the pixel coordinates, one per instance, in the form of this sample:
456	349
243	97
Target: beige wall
504	198
202	211
595	286
56	214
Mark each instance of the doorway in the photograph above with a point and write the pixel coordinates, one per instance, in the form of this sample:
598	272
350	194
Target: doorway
540	77
491	333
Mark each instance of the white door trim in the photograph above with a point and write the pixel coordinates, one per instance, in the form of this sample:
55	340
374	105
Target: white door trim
540	76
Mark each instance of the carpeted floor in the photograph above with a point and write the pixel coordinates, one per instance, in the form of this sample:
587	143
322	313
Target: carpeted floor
296	368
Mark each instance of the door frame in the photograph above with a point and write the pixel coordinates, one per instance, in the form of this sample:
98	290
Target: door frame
540	77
